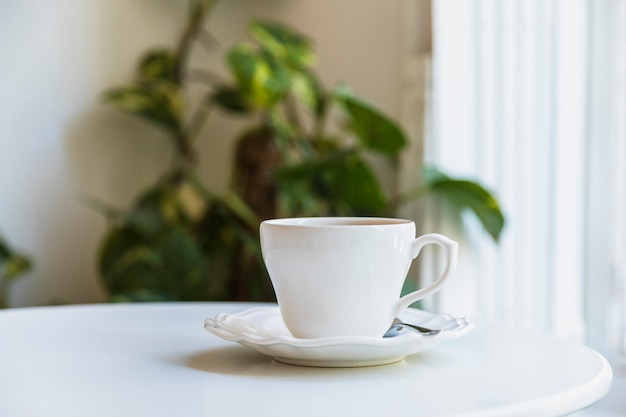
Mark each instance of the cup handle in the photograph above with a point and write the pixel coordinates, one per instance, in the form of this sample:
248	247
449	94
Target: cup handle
450	248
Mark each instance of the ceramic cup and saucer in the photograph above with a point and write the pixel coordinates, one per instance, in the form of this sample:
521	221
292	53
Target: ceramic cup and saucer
337	282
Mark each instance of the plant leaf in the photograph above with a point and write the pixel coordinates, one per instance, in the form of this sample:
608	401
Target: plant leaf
12	263
170	263
283	42
157	208
357	185
157	101
127	262
232	247
309	90
241	210
183	268
158	65
260	77
470	195
375	130
15	266
231	99
343	179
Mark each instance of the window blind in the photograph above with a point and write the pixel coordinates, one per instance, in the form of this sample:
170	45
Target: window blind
509	109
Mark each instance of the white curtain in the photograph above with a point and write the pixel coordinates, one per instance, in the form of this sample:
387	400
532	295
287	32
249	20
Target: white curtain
529	98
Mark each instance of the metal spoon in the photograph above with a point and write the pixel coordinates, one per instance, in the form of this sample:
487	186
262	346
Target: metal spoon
398	328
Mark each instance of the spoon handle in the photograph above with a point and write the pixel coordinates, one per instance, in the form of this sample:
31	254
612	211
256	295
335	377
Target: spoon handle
397	328
420	329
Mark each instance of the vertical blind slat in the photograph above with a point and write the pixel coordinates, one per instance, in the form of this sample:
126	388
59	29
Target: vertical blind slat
597	259
568	230
616	114
618	215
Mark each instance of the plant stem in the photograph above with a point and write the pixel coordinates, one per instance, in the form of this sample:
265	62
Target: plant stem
197	121
232	200
199	188
291	112
111	213
205	77
320	120
186	160
206	39
197	14
187	155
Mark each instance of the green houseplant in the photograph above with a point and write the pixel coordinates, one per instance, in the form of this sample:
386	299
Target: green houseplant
13	264
308	153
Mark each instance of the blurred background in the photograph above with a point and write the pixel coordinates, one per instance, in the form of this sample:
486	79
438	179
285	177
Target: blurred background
58	140
527	98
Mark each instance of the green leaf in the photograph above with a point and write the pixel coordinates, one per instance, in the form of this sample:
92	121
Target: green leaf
158	65
343	179
310	168
309	91
15	266
183	267
153	210
243	62
357	185
470	195
5	250
233	252
157	208
230	99
216	229
12	263
375	130
170	264
126	261
157	101
241	210
283	42
262	79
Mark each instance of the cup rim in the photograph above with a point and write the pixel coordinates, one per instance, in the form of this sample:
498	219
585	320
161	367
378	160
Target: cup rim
331	222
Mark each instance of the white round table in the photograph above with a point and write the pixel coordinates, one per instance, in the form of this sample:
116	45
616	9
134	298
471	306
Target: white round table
154	360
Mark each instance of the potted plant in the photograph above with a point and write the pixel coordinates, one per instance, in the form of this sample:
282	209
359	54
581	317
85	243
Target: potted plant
307	153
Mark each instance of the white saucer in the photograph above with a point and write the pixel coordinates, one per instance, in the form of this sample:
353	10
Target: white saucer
263	330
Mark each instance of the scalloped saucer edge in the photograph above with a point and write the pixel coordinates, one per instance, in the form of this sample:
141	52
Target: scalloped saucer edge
262	329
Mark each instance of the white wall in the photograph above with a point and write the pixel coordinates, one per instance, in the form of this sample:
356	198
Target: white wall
57	141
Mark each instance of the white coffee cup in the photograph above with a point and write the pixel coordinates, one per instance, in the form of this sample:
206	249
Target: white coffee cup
342	276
